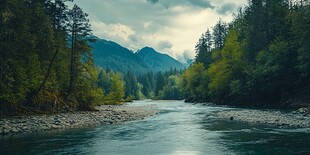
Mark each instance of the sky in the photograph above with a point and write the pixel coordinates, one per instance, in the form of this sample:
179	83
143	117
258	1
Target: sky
169	26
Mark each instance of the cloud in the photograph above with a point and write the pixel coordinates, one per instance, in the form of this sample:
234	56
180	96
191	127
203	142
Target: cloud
152	1
172	3
201	3
117	30
185	56
165	45
227	8
169	26
133	38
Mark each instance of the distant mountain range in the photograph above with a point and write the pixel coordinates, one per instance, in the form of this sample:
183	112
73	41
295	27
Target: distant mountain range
109	54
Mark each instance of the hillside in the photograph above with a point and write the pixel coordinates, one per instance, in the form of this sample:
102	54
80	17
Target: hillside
158	61
109	54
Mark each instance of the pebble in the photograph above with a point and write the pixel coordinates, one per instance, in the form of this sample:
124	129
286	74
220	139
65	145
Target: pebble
105	115
270	117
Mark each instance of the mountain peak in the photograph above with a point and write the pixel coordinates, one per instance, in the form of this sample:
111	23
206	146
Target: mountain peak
147	49
158	61
109	54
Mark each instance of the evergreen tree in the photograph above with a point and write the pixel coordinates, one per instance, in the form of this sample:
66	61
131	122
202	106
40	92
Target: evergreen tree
79	29
219	34
262	60
59	13
160	82
131	85
203	48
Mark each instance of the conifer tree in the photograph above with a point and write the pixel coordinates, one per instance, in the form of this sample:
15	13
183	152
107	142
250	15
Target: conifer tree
79	30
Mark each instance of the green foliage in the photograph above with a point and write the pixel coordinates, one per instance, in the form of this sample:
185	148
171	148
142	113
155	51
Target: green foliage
273	70
88	93
263	59
131	85
171	91
227	72
203	49
117	92
44	70
192	82
301	35
162	85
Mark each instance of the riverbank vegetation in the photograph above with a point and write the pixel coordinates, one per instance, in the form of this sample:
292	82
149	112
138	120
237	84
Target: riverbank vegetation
46	62
261	58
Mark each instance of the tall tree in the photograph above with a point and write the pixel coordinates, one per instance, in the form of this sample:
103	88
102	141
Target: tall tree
219	33
131	85
255	29
161	81
58	10
79	30
203	48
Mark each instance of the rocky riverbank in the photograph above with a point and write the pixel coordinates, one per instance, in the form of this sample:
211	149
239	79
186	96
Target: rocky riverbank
270	117
105	115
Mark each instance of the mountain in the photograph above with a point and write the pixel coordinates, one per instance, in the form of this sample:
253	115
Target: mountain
158	61
109	54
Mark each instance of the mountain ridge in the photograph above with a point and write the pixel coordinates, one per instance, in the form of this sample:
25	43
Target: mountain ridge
148	53
111	55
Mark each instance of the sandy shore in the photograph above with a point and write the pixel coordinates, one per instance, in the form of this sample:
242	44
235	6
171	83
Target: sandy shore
104	116
278	118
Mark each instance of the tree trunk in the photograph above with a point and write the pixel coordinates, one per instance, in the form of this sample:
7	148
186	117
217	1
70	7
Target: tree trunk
71	84
48	72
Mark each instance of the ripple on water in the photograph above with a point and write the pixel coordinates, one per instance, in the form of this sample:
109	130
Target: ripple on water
180	128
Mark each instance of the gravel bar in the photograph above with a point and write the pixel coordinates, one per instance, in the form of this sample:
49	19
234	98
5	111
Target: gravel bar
270	117
105	115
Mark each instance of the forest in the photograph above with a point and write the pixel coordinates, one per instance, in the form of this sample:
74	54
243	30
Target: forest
47	66
45	62
261	58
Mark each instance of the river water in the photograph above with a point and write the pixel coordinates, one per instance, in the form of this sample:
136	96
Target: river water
179	129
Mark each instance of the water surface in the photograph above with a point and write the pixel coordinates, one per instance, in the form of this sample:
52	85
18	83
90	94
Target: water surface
179	129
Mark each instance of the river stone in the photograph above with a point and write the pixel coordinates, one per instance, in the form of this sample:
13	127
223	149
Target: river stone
105	115
304	110
231	118
14	130
56	127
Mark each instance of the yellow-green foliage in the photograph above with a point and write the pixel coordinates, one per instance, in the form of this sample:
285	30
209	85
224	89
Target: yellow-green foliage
117	90
89	93
228	66
262	61
113	87
192	82
171	91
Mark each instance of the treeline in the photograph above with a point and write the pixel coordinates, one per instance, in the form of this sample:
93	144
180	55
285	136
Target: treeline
261	58
158	85
46	62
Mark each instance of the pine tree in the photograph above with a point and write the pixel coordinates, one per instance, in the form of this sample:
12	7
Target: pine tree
204	48
79	29
219	33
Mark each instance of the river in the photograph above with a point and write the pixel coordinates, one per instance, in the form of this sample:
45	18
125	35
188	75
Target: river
179	129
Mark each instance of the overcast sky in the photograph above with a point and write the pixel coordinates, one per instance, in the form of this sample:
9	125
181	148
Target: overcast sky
169	26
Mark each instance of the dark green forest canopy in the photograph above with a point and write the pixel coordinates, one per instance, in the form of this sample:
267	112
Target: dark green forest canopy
46	62
261	58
